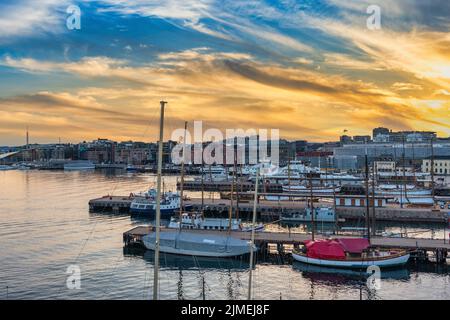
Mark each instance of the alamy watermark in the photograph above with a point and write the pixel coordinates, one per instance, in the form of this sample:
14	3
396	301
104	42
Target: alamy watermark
374	280
373	22
74	279
238	146
73	21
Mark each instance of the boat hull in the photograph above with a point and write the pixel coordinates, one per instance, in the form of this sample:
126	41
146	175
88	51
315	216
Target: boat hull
78	168
165	213
200	245
353	264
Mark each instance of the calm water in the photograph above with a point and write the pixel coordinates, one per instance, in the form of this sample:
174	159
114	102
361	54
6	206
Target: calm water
45	226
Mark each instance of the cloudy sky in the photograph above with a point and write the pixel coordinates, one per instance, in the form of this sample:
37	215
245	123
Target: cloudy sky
310	68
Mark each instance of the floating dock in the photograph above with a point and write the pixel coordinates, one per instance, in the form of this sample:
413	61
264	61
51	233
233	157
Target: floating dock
282	239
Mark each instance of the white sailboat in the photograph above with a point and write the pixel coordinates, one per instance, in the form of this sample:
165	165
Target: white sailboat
185	241
196	221
349	253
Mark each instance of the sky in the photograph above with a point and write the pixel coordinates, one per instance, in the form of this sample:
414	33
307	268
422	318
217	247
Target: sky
310	68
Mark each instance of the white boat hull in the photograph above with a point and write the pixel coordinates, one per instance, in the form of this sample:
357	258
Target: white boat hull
197	244
388	262
172	250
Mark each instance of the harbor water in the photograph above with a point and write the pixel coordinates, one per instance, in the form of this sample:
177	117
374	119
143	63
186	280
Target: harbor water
46	229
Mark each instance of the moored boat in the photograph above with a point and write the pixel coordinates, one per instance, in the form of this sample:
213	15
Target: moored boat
304	190
348	253
197	244
79	165
321	214
198	221
170	203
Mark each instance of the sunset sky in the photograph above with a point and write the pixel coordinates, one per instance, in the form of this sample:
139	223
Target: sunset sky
309	68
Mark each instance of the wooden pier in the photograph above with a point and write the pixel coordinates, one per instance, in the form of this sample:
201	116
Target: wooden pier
116	204
272	210
419	247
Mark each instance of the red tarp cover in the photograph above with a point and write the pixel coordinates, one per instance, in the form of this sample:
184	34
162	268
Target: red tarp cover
325	249
354	245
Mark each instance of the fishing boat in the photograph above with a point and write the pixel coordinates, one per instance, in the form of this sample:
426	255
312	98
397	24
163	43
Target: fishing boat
321	214
146	205
79	165
348	253
197	244
198	221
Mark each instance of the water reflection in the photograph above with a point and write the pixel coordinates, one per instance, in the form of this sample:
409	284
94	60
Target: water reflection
330	275
175	262
51	209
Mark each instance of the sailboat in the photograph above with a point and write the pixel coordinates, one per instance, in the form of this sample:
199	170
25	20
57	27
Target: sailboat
349	252
188	242
197	244
192	220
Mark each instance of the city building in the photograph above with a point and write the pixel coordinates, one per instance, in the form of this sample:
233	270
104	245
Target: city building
345	139
380	131
441	165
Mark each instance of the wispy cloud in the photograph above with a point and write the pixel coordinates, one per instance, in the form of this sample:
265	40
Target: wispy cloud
309	68
28	17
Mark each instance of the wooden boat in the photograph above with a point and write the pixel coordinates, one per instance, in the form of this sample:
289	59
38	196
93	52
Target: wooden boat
348	253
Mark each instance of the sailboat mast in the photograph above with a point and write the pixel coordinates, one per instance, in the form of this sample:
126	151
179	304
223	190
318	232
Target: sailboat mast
182	173
235	180
289	173
405	196
203	183
252	241
432	170
312	206
373	197
230	212
158	203
367	197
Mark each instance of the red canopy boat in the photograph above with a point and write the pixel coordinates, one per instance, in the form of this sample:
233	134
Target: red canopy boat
348	253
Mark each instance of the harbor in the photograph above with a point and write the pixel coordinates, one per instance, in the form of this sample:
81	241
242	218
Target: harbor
93	239
225	150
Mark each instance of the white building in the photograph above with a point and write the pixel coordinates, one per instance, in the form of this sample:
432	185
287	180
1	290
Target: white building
359	201
441	165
